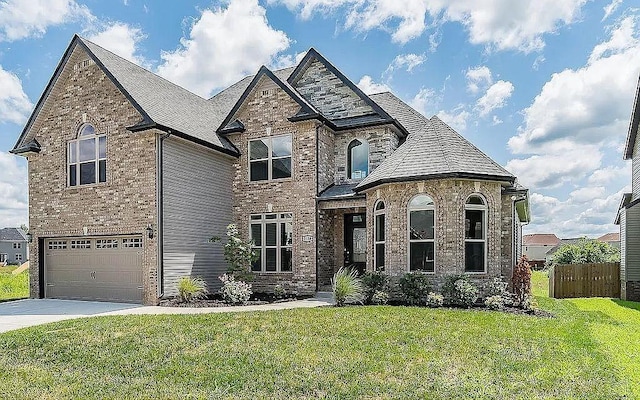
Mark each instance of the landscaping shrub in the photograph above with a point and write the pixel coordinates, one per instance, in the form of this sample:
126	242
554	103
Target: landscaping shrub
415	287
380	298
279	292
435	300
586	251
190	289
497	287
459	291
495	302
238	253
234	291
347	287
521	283
374	282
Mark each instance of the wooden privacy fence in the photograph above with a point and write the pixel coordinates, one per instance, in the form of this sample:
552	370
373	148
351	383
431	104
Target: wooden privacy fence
585	280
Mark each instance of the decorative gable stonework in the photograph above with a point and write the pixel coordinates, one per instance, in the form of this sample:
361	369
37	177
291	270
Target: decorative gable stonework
126	203
329	94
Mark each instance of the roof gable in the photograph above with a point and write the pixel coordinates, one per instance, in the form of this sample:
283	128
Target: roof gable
230	124
12	234
633	126
330	91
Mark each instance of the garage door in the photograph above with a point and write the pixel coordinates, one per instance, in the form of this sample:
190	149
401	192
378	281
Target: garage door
104	268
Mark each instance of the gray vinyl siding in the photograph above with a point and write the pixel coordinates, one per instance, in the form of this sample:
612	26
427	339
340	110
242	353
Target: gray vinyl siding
632	243
197	205
635	177
623	244
6	247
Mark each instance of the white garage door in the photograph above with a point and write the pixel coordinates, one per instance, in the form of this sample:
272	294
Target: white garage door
102	268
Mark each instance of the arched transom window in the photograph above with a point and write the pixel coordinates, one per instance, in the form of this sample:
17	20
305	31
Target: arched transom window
358	159
87	157
379	238
421	234
475	234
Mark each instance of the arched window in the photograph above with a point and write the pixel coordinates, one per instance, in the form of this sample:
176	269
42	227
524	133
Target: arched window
87	157
358	159
379	238
475	234
421	228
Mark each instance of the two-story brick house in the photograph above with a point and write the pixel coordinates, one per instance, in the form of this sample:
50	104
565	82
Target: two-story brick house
130	175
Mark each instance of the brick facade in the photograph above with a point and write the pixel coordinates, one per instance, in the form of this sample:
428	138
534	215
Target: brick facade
126	203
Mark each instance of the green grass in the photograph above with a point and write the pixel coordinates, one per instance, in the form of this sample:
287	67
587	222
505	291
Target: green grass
13	286
540	283
589	351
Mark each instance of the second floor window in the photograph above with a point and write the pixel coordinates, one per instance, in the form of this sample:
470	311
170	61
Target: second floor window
358	159
87	157
270	158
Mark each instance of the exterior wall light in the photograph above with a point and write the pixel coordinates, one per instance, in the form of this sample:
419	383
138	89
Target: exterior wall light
150	231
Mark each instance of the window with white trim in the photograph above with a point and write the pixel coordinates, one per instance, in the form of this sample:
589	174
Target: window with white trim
57	245
270	158
132	242
272	236
421	228
3	258
379	216
106	243
18	257
81	244
475	234
17	245
358	159
87	157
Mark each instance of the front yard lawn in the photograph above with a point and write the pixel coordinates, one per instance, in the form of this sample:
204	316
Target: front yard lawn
13	286
589	351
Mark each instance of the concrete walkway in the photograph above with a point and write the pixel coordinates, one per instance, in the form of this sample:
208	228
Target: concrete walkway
31	312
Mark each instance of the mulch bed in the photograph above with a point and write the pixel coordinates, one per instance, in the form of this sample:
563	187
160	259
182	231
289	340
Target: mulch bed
216	301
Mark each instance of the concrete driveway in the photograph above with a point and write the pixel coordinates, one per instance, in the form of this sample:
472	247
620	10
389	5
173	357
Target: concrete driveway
31	312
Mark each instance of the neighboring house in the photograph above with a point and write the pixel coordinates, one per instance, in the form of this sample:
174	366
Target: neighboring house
612	239
131	175
628	216
536	246
13	246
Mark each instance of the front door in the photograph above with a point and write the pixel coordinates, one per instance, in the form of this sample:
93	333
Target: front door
355	241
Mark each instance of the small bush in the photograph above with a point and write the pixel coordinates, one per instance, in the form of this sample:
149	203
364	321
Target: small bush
190	289
279	292
459	291
347	287
415	287
233	291
380	298
521	283
495	302
498	287
374	282
435	300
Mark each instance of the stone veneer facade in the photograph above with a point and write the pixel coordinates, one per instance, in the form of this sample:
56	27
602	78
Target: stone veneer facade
126	203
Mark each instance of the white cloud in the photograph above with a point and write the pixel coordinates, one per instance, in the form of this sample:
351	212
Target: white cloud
20	19
224	45
456	118
122	39
288	60
551	170
496	121
495	97
478	78
610	174
368	86
406	61
588	105
502	24
14	103
611	8
13	181
425	101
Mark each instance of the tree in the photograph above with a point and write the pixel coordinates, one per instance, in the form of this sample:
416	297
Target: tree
238	253
586	251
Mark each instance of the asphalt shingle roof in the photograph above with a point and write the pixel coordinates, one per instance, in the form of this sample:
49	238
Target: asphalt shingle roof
432	150
166	103
338	191
12	234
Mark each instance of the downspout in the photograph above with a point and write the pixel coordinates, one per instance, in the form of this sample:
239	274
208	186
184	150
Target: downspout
317	194
160	211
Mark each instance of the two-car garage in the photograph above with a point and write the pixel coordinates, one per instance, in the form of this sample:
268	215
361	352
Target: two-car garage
94	268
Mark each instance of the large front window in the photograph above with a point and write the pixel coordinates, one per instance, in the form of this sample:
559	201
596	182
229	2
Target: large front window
272	236
87	157
358	159
475	234
422	234
379	239
270	158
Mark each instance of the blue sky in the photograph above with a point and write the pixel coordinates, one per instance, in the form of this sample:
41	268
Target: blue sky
544	87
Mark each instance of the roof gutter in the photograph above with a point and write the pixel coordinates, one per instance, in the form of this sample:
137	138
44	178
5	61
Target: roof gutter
449	175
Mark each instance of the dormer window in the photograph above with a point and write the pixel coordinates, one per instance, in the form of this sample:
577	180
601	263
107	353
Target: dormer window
87	157
358	159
